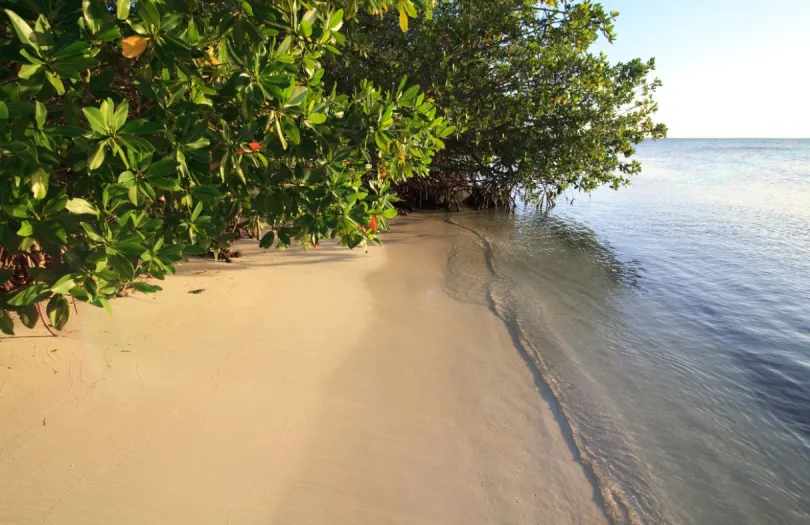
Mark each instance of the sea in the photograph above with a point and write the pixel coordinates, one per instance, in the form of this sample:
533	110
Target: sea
669	322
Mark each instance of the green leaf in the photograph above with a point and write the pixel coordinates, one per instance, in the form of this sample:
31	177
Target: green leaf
6	324
51	232
76	47
309	16
107	109
149	12
381	141
162	168
26	229
29	316
3	111
58	311
316	118
146	288
81	207
39	184
31	58
130	248
23	30
446	132
97	259
18	212
29	70
40	114
305	28
336	20
133	195
66	131
122	10
91	232
29	295
284	236
141	127
299	94
198	144
56	82
410	93
98	156
96	119
64	284
120	116
389	213
66	71
206	192
54	205
194	250
121	264
284	46
280	134
197	211
108	33
267	239
27	243
147	190
72	66
193	32
291	130
90	288
93	15
177	43
409	8
16	148
165	183
137	146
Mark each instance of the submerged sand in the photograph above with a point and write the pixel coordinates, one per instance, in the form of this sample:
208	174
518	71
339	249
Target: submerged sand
293	388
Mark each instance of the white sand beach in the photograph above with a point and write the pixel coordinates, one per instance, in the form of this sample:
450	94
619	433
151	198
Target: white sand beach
293	388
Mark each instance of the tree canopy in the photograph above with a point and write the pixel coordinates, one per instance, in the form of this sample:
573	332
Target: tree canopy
135	134
540	113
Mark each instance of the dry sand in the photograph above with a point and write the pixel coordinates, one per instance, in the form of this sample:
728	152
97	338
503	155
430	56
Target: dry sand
333	387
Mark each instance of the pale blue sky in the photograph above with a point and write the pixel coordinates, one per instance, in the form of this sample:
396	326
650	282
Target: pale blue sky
730	68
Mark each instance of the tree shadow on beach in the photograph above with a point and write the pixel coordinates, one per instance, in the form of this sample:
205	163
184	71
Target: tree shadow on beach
252	257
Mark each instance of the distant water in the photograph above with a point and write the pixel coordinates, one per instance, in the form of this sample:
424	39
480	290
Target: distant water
671	319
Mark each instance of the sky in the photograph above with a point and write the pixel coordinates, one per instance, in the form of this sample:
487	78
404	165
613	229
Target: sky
730	68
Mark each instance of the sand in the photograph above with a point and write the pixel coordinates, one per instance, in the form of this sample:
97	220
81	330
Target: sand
294	388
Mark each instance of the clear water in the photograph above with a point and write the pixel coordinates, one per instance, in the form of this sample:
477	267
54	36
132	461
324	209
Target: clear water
671	319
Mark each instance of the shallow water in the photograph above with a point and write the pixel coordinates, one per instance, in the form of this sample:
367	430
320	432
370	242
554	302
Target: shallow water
671	319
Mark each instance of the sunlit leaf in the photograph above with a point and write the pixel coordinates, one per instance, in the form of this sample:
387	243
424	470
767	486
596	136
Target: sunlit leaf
133	46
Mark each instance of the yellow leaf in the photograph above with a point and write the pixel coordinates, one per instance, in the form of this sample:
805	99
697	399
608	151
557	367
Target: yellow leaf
280	134
39	184
133	46
403	20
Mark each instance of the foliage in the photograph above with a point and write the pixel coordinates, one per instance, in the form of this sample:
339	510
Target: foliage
539	112
134	134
